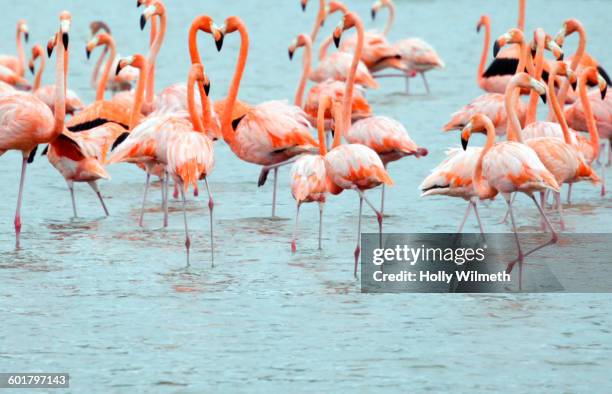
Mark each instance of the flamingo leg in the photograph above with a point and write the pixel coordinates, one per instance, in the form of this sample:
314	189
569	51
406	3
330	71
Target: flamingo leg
554	238
475	205
71	189
382	195
165	190
407	84
211	205
274	192
187	238
144	199
358	248
569	194
543	204
321	206
520	257
609	152
505	219
295	228
24	165
603	180
94	187
379	215
560	210
467	213
425	82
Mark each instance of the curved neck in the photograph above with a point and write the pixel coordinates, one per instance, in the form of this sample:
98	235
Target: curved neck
391	18
556	108
155	47
110	45
588	114
60	89
194	55
521	17
323	106
338	124
232	95
350	80
138	96
533	96
299	95
152	35
477	176
97	67
514	125
318	21
485	53
20	54
39	73
575	61
191	107
324	47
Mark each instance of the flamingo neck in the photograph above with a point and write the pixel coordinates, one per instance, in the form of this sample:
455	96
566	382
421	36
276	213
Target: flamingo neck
152	36
155	47
521	17
194	55
318	21
97	67
539	60
323	106
138	96
60	89
350	80
590	119
307	62
391	18
479	186
514	125
20	54
556	108
110	45
324	47
485	52
575	61
232	95
191	106
39	73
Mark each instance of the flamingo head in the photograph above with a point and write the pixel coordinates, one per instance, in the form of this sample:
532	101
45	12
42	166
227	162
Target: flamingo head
37	52
303	4
206	24
137	61
301	41
483	21
152	9
512	36
553	47
592	76
51	45
335	6
98	40
96	26
22	27
65	21
478	123
198	74
561	68
348	21
232	24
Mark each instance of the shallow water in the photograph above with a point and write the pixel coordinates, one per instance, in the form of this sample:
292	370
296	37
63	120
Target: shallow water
115	306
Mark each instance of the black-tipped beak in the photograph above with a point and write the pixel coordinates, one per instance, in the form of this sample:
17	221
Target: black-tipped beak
219	42
561	57
464	143
543	97
49	51
574	85
478	28
604	92
207	88
32	69
290	54
118	70
496	48
137	3
26	36
373	13
143	22
303	7
533	52
87	53
337	41
65	40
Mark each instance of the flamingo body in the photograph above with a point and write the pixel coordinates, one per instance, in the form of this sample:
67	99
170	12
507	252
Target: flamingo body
489	104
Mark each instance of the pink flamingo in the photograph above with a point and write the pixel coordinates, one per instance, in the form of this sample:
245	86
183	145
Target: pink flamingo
27	122
17	64
47	93
510	167
319	20
353	166
360	108
271	134
417	55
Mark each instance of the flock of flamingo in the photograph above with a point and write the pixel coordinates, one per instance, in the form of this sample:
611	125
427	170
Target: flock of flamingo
171	135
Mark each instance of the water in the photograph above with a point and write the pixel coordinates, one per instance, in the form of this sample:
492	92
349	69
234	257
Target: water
116	307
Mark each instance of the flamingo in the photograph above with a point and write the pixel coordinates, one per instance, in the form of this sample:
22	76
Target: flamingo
308	174
95	27
47	93
332	7
25	121
418	56
353	166
319	20
360	108
510	167
271	134
16	64
156	141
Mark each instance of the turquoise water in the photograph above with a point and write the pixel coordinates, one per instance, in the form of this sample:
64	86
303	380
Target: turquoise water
115	306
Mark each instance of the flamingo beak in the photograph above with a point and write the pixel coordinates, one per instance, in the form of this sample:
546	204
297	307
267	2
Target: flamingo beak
138	4
207	87
290	54
496	48
219	41
603	86
543	97
87	53
65	40
143	21
26	35
478	27
31	68
49	51
373	13
119	67
303	4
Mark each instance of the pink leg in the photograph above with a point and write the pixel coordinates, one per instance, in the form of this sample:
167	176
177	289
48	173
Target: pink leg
71	189
382	197
379	215
321	205
176	192
211	206
165	192
554	238
603	181
467	213
144	199
609	153
480	226
187	238
569	194
94	187
520	258
24	165
295	228
560	210
505	219
274	192
358	248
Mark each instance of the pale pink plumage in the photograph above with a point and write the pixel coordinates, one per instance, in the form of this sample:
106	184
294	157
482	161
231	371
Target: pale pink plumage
490	104
47	95
337	65
453	177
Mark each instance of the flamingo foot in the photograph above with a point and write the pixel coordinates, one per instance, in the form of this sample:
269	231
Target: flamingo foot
357	253
17	231
293	246
175	193
196	192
